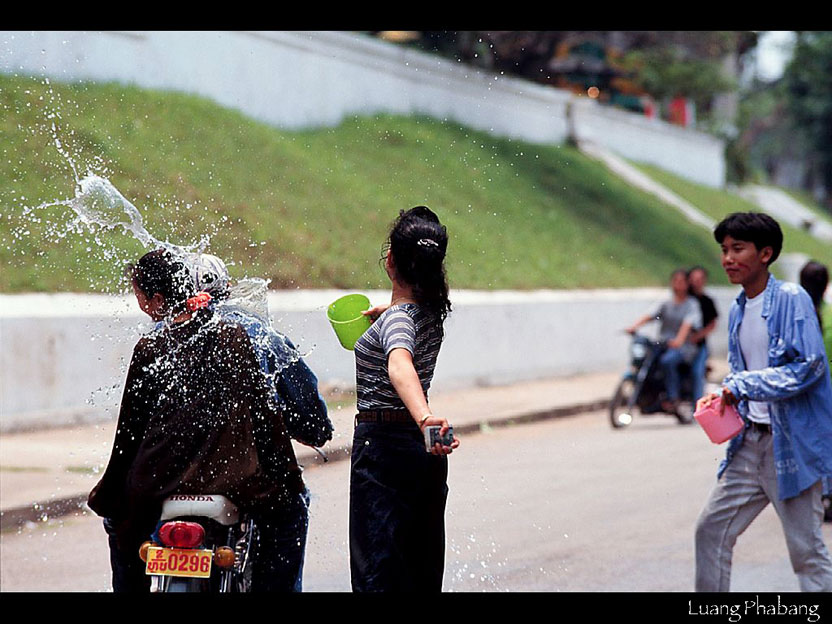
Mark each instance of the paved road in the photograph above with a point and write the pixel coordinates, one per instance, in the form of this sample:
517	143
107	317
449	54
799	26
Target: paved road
559	505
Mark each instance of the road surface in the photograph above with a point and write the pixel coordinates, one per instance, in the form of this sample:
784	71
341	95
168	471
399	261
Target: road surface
566	505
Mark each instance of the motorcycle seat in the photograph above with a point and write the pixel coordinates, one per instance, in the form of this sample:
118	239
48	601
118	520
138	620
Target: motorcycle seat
214	506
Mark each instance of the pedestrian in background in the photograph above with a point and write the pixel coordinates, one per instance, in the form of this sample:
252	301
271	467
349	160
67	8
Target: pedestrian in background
398	489
780	381
814	277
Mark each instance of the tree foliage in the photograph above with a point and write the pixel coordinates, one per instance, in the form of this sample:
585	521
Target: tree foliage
808	88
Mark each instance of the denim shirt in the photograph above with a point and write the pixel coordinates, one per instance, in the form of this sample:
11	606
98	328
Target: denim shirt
796	385
295	385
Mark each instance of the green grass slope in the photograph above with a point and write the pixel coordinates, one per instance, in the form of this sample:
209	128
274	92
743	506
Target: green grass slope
312	208
718	204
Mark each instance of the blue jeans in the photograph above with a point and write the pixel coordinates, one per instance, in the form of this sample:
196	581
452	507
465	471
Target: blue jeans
698	371
397	510
669	362
279	548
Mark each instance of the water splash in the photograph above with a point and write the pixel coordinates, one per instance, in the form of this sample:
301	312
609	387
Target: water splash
99	208
98	203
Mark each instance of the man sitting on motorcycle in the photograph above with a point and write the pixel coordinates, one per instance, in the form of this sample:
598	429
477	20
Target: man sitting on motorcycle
281	541
196	417
679	316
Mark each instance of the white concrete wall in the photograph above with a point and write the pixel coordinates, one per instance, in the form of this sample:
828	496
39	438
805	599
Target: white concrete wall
303	79
63	358
696	156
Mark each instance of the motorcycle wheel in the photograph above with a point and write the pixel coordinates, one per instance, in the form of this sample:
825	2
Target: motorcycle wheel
619	416
177	585
684	413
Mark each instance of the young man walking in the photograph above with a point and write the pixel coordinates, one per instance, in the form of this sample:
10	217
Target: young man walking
780	381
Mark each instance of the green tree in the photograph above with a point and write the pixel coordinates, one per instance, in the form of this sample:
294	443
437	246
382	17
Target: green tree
808	82
668	70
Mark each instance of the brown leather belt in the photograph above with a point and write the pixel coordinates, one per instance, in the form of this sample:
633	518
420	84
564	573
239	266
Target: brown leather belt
384	416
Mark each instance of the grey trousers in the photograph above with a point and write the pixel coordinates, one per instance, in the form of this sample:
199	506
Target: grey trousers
745	488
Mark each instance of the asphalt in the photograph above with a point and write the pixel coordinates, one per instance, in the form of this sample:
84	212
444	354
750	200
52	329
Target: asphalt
49	472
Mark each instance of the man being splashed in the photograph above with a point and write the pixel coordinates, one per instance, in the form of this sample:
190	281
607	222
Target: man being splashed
294	387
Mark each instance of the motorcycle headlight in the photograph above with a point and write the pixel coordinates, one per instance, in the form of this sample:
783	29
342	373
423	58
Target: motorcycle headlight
638	351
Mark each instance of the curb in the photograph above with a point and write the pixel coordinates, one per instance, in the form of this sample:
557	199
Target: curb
16	517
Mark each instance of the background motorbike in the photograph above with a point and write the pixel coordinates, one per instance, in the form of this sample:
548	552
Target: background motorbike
642	388
202	544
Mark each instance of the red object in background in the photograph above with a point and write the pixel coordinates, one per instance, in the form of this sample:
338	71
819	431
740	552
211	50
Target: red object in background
680	111
649	107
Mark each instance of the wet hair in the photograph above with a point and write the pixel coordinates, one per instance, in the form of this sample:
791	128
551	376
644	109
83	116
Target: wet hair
418	243
160	272
814	277
753	227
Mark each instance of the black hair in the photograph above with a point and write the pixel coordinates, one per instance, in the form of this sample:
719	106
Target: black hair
689	272
814	277
678	272
753	227
697	267
160	272
418	243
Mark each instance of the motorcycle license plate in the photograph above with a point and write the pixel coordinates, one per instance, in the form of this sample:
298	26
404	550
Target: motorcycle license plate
179	562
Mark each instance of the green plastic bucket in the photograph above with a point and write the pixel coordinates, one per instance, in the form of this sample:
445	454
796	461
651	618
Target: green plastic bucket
345	316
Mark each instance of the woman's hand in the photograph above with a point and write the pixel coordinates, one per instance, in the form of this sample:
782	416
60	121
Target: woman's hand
376	311
439	449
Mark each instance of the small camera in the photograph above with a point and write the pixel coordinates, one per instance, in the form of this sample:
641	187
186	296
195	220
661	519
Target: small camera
432	436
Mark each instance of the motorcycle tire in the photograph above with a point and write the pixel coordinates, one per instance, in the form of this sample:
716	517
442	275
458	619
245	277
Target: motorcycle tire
619	416
177	585
684	413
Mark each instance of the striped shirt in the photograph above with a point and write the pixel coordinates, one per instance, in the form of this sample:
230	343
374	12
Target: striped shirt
405	326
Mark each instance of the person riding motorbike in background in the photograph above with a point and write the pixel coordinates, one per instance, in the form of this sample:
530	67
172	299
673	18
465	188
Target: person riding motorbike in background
679	316
196	417
697	280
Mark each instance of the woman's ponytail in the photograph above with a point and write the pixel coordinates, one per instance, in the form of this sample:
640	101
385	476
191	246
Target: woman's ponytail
419	242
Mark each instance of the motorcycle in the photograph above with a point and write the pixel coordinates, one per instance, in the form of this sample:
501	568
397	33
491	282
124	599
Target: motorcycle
203	543
642	389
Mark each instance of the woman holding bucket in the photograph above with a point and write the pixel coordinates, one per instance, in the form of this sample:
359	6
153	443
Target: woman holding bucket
398	488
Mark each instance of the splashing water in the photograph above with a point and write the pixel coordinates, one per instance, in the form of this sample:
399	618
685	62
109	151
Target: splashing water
98	203
98	207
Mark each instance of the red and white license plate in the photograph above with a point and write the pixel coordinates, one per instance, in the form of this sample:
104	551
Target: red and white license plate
194	563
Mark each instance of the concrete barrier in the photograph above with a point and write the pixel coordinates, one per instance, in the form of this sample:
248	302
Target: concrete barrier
301	79
63	358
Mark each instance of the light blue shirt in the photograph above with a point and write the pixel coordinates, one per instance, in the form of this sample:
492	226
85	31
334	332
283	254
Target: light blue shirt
796	385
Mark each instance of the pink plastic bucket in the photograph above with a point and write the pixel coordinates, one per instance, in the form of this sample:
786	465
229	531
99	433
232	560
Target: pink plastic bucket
719	428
